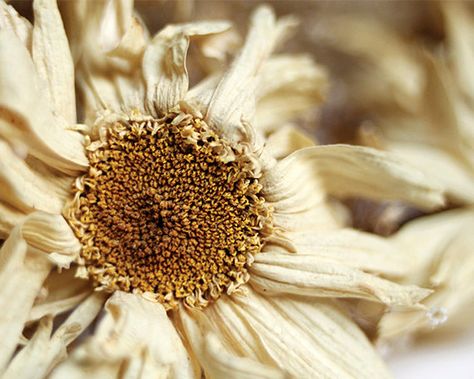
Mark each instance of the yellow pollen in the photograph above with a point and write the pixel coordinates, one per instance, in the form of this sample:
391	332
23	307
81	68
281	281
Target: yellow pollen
170	209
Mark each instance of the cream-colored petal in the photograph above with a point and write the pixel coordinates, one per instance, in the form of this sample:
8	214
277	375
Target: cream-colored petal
22	272
26	115
234	98
363	251
440	247
306	275
134	335
9	218
287	140
219	362
61	292
46	349
452	174
52	59
20	26
460	30
303	338
289	86
22	188
164	63
345	170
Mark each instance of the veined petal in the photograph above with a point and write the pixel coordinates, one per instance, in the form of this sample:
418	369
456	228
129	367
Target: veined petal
22	272
52	59
305	274
289	85
46	349
25	114
345	170
164	63
363	251
285	141
61	292
234	98
440	247
22	188
12	21
304	339
217	360
9	218
135	333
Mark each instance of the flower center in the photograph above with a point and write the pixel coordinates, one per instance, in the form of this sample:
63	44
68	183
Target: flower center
168	209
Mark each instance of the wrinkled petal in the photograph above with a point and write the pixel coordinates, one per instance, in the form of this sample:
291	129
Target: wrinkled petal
289	86
52	59
301	338
46	349
285	141
22	188
25	114
164	63
234	98
9	218
12	21
305	274
134	334
344	170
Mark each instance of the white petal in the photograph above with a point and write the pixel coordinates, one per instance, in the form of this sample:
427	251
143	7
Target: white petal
287	140
22	272
22	188
303	339
306	275
345	170
289	86
234	98
44	351
164	63
9	218
12	21
53	60
134	331
26	114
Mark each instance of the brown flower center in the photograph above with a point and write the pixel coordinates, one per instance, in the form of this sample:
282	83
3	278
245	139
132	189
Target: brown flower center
169	209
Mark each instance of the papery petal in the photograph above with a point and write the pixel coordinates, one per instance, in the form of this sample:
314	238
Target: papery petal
306	275
304	339
12	21
234	98
164	63
46	349
52	59
25	112
344	170
135	334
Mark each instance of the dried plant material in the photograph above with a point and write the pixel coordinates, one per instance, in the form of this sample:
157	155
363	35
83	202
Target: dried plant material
151	159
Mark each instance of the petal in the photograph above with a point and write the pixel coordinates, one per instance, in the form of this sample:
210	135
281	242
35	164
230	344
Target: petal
9	218
61	292
52	59
25	114
363	251
345	170
303	339
306	275
134	334
286	140
219	362
22	272
289	85
22	188
164	63
12	21
234	98
46	349
440	247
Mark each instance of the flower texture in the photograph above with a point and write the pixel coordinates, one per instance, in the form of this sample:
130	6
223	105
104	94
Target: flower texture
180	232
427	117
